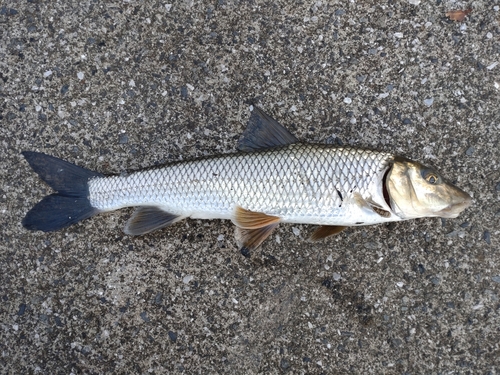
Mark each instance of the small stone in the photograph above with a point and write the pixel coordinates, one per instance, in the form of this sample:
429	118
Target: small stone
296	231
168	7
398	35
470	151
284	364
144	316
187	279
172	336
407	121
22	309
64	89
491	66
487	237
347	100
336	276
184	92
429	101
361	78
339	12
123	138
80	75
414	2
497	188
47	73
496	279
489	35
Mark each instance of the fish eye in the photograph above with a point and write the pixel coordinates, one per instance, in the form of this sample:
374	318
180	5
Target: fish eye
430	176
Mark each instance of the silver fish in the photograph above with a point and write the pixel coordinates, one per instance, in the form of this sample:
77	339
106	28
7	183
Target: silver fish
272	179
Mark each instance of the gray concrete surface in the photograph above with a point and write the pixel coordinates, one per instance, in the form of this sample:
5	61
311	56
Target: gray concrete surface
127	84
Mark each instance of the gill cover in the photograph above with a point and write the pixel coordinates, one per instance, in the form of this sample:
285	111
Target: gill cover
419	191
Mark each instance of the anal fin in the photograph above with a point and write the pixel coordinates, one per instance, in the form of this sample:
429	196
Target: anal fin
250	239
325	231
147	219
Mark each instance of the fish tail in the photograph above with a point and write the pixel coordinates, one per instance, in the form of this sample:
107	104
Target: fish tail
70	204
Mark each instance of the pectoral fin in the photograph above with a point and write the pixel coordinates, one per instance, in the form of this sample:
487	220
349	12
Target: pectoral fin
325	231
250	239
148	219
370	205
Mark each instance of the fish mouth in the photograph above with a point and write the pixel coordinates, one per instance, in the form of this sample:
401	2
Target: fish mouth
454	209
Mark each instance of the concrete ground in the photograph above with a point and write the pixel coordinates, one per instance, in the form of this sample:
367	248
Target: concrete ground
122	85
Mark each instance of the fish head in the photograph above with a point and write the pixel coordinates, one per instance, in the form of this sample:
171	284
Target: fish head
415	190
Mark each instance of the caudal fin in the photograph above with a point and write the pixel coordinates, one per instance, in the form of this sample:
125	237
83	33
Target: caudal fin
70	203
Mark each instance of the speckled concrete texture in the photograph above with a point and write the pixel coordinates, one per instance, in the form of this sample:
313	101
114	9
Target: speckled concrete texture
121	85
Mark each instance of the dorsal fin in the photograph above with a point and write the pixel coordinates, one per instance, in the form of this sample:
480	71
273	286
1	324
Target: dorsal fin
263	132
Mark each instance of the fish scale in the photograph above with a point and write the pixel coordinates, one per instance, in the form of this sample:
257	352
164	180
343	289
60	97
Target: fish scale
297	183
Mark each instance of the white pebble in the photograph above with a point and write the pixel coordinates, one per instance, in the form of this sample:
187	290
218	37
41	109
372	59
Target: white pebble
400	284
38	108
489	67
131	83
187	279
220	237
47	73
168	7
80	75
347	100
414	2
190	87
489	35
336	276
398	35
428	102
296	231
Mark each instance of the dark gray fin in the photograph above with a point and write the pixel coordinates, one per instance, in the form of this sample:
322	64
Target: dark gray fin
70	204
264	132
148	219
326	231
247	219
250	239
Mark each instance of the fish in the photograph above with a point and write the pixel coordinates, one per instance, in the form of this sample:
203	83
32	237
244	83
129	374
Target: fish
272	178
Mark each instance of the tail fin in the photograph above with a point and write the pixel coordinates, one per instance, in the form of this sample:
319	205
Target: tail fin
70	204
